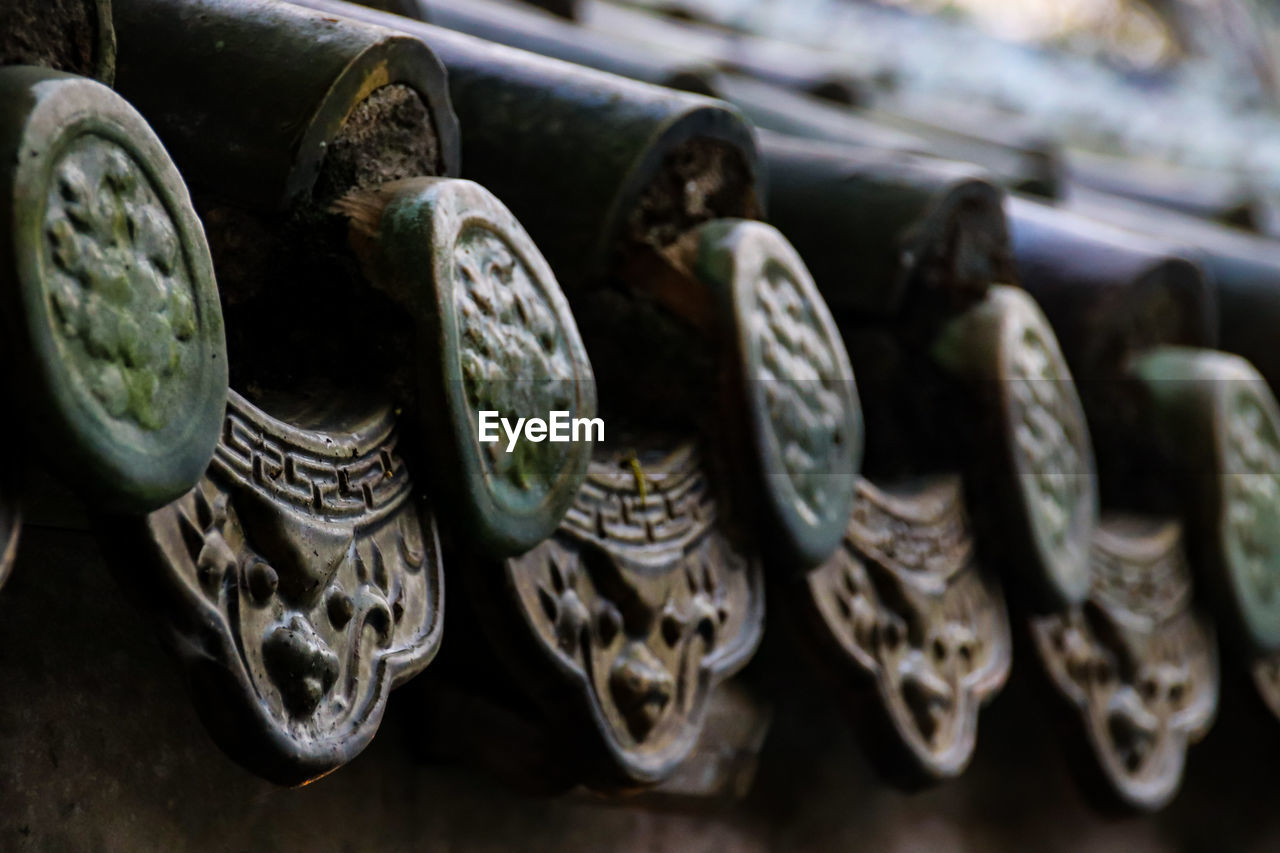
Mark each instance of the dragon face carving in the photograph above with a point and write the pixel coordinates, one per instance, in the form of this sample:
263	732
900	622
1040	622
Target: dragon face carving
905	606
1135	660
639	606
301	581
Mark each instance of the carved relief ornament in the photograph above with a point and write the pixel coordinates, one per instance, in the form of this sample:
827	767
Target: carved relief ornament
300	581
1136	661
800	401
910	614
1221	424
495	334
627	619
1043	473
113	328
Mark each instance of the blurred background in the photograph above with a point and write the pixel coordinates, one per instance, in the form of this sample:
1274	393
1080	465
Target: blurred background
1171	91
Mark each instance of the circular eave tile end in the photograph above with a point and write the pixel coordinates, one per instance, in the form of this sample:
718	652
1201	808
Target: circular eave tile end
1224	423
803	410
1248	423
120	352
498	337
1005	342
1048	440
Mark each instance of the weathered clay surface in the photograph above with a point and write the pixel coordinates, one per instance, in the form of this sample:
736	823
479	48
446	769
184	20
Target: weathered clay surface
639	606
905	608
1137	661
105	752
298	582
